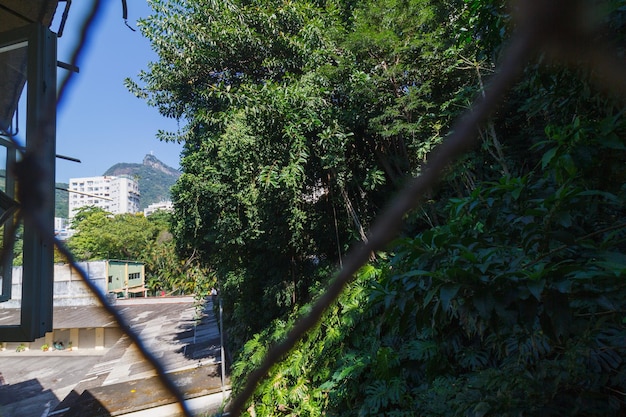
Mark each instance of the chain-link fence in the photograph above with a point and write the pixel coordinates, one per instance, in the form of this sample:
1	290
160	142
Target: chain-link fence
559	30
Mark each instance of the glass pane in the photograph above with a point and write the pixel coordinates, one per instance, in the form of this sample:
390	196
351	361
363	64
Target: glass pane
3	168
13	63
7	211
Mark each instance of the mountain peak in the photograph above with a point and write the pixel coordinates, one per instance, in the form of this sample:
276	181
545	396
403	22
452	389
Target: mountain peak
155	178
152	161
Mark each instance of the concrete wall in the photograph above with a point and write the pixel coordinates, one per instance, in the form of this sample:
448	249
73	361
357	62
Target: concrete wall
69	288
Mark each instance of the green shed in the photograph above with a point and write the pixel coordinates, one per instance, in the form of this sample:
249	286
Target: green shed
126	277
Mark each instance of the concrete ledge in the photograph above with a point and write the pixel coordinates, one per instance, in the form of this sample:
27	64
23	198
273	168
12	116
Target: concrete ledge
145	394
210	403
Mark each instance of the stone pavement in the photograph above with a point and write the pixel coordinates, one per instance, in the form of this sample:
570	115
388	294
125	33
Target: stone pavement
118	380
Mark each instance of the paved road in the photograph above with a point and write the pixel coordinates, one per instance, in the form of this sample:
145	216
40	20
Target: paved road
33	382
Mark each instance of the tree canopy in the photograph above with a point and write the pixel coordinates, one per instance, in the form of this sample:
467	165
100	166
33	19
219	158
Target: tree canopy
503	296
302	119
101	235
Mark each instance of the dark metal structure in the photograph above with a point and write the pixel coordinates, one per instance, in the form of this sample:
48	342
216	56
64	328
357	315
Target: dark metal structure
28	84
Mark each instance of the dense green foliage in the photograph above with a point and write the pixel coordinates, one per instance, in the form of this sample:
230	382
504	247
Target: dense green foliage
297	134
101	235
61	201
503	296
513	307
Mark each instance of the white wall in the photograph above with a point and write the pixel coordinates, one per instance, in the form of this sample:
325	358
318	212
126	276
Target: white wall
69	288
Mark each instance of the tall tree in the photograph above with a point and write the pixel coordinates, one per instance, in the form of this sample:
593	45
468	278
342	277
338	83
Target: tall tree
512	304
100	235
302	118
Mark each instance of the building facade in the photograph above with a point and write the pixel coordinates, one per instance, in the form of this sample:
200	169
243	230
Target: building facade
62	230
161	205
115	194
79	320
126	278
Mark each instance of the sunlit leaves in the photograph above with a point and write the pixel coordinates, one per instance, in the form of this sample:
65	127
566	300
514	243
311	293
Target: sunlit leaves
101	235
303	117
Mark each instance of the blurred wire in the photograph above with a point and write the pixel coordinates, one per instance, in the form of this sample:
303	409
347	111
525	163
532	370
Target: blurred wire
85	32
556	27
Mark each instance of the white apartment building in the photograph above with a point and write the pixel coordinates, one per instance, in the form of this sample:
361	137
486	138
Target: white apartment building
62	230
61	223
161	205
115	194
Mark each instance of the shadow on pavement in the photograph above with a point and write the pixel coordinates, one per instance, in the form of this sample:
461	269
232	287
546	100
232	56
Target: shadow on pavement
25	399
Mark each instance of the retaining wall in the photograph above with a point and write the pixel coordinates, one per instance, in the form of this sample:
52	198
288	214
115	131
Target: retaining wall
69	288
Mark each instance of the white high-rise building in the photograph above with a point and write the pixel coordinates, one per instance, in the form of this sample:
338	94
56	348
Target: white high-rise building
161	205
115	194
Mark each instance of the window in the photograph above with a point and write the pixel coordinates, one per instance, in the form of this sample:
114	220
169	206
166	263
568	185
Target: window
134	275
28	53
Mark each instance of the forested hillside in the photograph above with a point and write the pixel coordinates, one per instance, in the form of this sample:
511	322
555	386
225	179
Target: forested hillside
504	294
155	179
61	200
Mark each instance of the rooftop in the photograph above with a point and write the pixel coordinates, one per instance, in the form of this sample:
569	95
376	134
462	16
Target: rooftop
118	380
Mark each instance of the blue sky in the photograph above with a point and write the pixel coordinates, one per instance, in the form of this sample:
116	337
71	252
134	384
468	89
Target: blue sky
100	122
